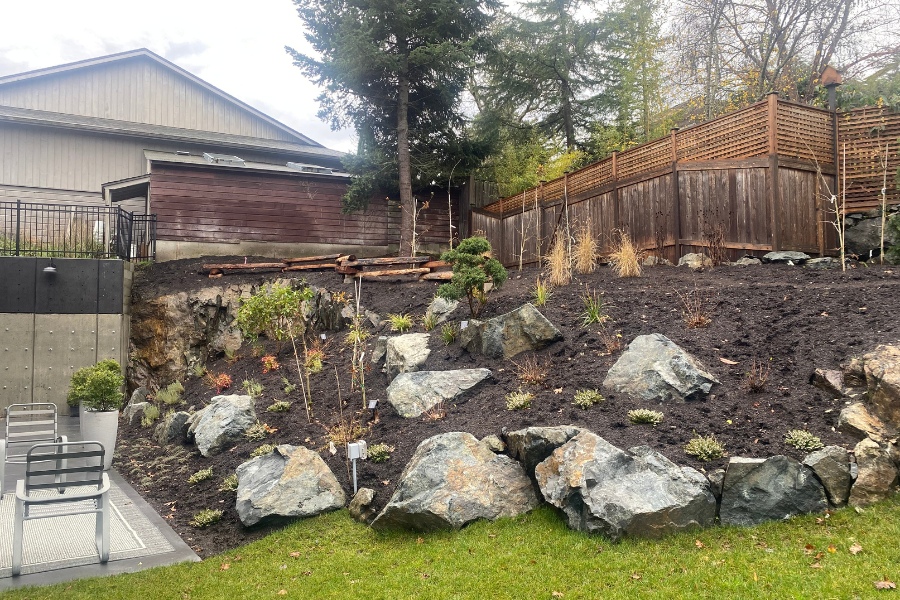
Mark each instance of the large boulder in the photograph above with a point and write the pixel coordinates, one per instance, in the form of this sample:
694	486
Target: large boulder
411	394
785	256
876	477
440	309
832	466
406	353
532	445
133	414
638	492
290	481
696	261
221	423
756	491
654	368
882	370
361	506
865	236
510	334
173	429
859	423
453	479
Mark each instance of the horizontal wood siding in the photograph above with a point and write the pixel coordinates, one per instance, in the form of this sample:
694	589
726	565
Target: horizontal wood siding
138	90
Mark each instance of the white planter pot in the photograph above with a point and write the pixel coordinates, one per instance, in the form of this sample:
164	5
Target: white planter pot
101	427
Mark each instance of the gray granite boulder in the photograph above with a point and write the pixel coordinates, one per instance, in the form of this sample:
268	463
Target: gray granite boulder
290	481
832	466
877	475
785	257
865	236
654	368
172	429
379	349
747	261
533	445
139	395
441	308
755	491
695	261
882	372
406	353
361	506
636	493
134	412
452	480
830	381
858	422
510	334
411	394
221	423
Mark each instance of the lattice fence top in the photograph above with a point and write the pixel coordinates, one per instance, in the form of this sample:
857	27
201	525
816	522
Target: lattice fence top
863	135
802	132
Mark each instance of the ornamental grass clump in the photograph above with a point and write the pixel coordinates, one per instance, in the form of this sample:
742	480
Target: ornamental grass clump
171	394
229	484
253	388
594	311
645	416
400	322
625	258
472	270
449	333
558	263
279	406
540	293
587	398
803	440
518	400
705	448
585	251
262	450
151	414
259	431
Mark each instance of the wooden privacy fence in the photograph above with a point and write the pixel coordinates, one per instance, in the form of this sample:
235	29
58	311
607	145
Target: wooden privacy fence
761	177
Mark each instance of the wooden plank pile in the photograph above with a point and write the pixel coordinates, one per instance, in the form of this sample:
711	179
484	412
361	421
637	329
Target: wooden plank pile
422	267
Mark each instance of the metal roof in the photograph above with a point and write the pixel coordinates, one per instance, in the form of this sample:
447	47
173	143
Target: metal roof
200	161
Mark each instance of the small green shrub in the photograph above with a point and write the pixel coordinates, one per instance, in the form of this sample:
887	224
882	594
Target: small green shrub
271	311
279	406
198	369
587	398
471	271
379	453
171	394
594	311
205	518
518	400
429	322
803	440
705	448
263	450
288	386
314	358
151	414
400	322
201	475
98	387
645	416
258	431
449	333
253	388
229	484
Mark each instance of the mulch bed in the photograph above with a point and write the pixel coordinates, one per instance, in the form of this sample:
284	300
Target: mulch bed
789	318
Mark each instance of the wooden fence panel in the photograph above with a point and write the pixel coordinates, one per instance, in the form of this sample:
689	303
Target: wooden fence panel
796	215
740	134
642	210
805	133
864	133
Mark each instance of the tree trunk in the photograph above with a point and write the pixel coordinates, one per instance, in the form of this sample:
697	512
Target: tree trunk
407	203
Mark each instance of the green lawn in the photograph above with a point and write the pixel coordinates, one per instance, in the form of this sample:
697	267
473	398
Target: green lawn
534	556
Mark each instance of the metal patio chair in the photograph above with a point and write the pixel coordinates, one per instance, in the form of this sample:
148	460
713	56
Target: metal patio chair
26	425
68	477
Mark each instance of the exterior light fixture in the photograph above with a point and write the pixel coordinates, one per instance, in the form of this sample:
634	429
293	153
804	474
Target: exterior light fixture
355	451
51	268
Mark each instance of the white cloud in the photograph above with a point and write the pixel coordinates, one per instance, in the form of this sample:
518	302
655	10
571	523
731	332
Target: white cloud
238	46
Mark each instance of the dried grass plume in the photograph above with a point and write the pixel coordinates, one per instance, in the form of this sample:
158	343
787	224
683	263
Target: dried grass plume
625	258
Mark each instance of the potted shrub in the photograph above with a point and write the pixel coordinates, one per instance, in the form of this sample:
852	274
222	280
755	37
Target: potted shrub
98	389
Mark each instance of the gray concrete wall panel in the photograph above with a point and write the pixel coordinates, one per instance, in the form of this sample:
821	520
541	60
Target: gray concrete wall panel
110	332
17	274
17	350
110	288
62	345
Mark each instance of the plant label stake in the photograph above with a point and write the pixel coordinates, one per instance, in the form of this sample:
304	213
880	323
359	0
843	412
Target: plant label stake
356	451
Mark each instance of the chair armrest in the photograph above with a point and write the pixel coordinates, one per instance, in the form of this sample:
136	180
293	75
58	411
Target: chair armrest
62	439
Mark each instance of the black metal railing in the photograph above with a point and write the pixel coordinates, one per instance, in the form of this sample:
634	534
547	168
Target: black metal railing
75	231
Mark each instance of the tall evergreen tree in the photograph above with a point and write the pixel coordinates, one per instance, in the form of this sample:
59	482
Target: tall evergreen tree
394	69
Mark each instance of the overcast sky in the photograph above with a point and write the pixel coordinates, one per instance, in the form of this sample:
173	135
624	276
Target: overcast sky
238	46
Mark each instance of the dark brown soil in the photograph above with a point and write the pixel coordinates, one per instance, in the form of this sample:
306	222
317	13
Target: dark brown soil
790	318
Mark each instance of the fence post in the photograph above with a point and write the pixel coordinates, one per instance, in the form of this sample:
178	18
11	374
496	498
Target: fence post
773	184
615	190
676	194
18	223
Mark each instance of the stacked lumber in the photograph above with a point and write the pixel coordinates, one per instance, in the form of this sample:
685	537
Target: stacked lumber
422	267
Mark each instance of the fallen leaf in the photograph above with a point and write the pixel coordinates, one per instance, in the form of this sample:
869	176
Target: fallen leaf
699	544
282	567
282	592
809	549
307	573
755	578
295	555
225	566
420	541
832	549
884	584
557	390
557	594
424	575
385	482
727	362
635	576
815	565
492	535
855	548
